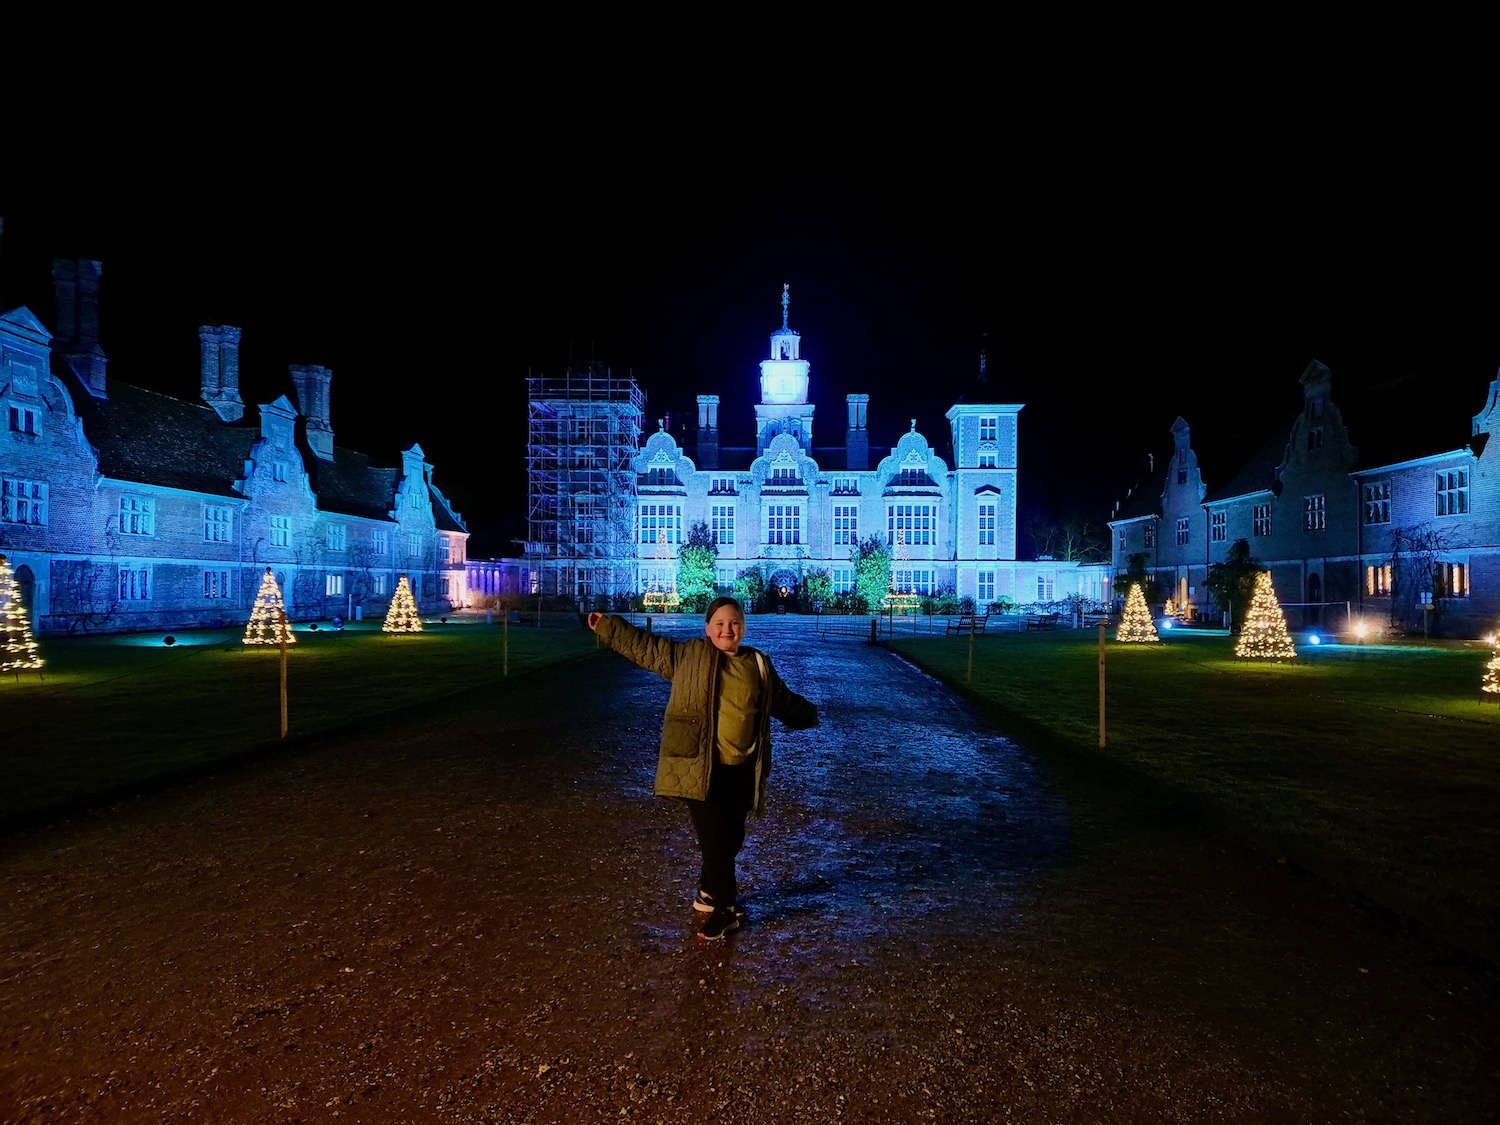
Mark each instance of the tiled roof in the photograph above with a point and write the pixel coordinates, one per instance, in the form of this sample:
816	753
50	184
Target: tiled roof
151	438
1258	471
350	486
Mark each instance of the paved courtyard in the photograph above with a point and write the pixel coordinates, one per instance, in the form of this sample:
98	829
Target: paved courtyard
479	914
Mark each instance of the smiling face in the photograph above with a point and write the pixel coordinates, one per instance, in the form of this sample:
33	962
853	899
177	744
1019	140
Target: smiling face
726	629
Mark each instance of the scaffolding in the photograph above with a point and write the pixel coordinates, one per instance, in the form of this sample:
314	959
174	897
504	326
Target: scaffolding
583	437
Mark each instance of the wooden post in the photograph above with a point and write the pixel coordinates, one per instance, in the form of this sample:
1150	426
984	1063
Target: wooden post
505	645
971	655
1101	685
281	633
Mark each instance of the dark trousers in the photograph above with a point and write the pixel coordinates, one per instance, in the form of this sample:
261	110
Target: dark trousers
719	824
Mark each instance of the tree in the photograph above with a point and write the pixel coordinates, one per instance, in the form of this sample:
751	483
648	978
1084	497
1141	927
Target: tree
402	617
1072	538
1264	635
817	587
750	587
872	572
697	561
1415	555
268	624
18	647
1135	575
1231	583
1136	624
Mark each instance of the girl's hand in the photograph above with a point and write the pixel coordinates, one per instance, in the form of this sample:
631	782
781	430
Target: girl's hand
594	619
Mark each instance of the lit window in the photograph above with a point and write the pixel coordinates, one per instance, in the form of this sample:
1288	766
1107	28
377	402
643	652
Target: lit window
1218	526
1378	502
661	523
783	523
377	584
216	584
1183	531
1450	580
135	583
1044	587
414	546
1314	513
845	525
989	428
986	590
24	501
1148	534
986	525
1378	581
445	548
137	515
1261	524
1453	492
281	531
721	523
914	523
334	586
218	523
338	537
378	542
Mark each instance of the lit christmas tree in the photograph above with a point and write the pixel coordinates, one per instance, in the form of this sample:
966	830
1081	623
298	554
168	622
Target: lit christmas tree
18	648
1170	610
1264	635
1492	673
268	624
1136	625
402	617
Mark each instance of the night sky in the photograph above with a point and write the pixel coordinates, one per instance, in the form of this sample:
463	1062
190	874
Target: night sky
1118	279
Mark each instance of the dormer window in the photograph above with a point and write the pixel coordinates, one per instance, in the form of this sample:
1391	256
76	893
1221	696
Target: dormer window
989	428
721	485
845	486
23	420
783	476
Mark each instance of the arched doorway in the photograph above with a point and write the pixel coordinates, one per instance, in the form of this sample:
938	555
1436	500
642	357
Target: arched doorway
781	592
26	580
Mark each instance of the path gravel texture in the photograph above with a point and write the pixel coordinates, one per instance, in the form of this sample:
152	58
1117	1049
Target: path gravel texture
478	913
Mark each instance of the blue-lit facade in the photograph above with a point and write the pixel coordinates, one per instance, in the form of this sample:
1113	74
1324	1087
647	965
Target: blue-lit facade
125	510
790	503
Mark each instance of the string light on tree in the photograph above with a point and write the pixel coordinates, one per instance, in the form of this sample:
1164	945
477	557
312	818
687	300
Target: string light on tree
1136	625
1170	610
1492	673
402	617
1264	635
18	648
268	624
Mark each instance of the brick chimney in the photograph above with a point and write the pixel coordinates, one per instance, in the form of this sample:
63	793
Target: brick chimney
76	286
707	455
311	387
221	371
857	439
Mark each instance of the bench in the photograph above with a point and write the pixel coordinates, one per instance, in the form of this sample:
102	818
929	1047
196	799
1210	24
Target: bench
968	623
1036	622
1094	620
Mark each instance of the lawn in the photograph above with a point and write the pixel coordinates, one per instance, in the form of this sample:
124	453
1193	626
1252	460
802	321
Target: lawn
111	716
1375	766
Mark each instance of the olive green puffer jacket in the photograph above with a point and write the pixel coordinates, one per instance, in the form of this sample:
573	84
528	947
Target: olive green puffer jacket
687	732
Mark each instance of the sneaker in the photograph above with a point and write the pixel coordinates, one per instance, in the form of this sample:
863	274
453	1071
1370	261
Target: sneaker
720	923
704	903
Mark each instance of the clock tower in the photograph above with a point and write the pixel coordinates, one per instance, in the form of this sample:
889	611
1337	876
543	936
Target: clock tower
783	406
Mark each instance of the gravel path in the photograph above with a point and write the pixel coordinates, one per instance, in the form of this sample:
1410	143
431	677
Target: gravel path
479	914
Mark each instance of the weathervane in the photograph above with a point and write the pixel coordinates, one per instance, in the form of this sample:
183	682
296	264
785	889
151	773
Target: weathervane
786	300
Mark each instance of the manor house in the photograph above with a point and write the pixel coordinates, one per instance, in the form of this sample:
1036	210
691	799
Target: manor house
125	509
609	512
